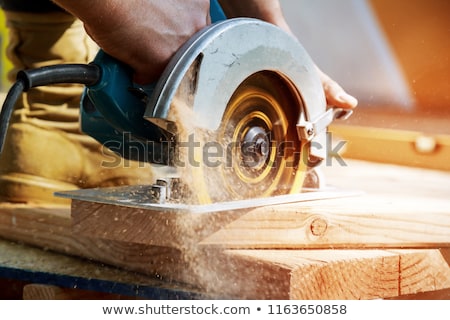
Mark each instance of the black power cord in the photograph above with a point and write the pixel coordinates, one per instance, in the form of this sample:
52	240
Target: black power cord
87	74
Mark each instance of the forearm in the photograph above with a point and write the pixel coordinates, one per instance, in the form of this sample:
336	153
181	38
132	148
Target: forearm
267	10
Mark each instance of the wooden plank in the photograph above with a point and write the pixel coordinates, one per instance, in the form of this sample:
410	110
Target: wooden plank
423	269
268	274
51	229
327	274
402	147
136	225
360	222
401	207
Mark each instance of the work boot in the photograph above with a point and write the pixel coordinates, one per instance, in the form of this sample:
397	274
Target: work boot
44	150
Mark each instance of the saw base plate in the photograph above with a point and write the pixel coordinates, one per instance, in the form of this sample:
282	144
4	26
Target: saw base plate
139	196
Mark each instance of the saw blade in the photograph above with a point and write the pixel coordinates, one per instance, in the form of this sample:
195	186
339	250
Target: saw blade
264	154
254	153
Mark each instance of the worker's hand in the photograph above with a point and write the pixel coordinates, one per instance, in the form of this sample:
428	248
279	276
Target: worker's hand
142	33
335	94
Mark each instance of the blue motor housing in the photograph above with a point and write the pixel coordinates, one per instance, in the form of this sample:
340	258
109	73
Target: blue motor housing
112	111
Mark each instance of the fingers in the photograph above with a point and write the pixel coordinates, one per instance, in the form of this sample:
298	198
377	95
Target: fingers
335	94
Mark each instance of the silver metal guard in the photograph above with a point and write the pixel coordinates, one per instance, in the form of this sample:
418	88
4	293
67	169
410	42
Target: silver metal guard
207	70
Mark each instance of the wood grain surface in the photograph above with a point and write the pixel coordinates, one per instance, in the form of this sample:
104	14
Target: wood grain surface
399	205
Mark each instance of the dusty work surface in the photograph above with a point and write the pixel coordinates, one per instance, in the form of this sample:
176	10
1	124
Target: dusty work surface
249	255
37	266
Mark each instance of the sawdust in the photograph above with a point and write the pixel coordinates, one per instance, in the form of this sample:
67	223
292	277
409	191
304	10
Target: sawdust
192	177
200	183
184	118
191	162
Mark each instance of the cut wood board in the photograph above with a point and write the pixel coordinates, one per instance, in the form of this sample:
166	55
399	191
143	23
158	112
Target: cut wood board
51	229
363	222
359	222
328	274
399	208
242	274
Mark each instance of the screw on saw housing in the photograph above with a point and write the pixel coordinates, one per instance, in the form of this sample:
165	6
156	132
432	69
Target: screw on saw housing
87	74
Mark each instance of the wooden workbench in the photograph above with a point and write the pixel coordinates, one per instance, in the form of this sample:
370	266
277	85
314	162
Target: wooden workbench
390	241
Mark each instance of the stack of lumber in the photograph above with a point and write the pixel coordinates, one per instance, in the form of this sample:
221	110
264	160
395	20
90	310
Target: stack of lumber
391	240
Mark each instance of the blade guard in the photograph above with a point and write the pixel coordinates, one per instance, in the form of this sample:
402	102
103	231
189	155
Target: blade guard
208	69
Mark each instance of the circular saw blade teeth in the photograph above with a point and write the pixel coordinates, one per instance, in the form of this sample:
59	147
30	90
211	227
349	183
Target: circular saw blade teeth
258	153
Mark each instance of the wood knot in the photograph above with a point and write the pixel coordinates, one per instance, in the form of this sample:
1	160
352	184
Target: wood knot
318	227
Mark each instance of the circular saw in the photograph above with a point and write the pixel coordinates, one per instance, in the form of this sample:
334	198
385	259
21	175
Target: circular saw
249	91
239	112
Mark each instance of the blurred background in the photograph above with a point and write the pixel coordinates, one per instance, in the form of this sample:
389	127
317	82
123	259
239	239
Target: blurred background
386	52
393	55
4	63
